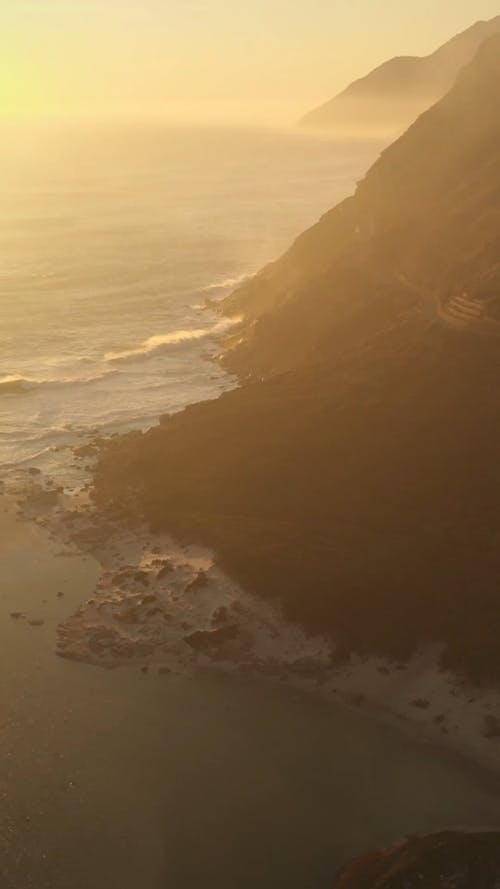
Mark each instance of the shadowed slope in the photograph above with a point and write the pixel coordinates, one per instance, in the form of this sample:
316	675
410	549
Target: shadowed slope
359	480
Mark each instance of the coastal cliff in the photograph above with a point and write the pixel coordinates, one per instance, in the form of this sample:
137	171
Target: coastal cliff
354	477
437	861
390	97
422	228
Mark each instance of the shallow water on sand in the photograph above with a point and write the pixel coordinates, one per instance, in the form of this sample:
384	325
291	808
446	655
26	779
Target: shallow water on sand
120	778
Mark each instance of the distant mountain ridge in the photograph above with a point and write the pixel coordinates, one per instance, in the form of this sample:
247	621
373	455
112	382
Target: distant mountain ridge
390	97
426	217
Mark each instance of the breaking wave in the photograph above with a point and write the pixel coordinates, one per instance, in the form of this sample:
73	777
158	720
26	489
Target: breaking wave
16	385
175	337
226	284
12	385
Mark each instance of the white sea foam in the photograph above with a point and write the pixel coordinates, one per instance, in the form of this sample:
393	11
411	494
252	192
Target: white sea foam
174	338
95	260
14	385
226	284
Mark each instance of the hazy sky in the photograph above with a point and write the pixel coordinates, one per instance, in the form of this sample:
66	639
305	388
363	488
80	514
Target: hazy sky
263	60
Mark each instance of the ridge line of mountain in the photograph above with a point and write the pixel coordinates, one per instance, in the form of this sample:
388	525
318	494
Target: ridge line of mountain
389	97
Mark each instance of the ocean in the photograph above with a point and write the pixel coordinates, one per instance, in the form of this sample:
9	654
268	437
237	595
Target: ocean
117	779
112	239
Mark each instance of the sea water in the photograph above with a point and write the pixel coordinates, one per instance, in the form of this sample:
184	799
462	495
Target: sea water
112	239
119	779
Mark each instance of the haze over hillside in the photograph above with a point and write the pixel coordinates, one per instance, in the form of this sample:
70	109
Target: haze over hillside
357	477
393	95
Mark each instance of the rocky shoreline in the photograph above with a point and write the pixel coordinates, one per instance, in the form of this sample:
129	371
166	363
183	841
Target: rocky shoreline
166	607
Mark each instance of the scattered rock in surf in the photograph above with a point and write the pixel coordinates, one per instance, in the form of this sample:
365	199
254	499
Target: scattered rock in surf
142	577
129	616
203	640
101	642
119	578
220	616
166	568
200	581
149	599
40	497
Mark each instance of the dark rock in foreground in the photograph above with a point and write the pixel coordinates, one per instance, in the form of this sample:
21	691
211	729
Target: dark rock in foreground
451	860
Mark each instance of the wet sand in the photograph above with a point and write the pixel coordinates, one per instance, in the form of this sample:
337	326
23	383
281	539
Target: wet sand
198	777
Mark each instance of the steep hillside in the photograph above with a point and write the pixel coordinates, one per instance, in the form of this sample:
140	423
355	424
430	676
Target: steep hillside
425	221
358	478
394	94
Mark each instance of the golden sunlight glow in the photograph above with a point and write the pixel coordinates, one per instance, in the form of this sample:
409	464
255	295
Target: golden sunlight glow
199	60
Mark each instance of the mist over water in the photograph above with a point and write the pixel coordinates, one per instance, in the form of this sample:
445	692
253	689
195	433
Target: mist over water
112	238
